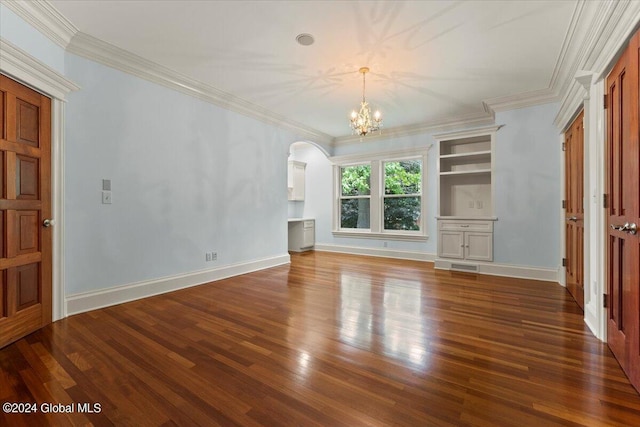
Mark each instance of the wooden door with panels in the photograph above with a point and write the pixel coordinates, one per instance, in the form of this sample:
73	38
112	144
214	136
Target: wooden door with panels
25	209
623	211
574	208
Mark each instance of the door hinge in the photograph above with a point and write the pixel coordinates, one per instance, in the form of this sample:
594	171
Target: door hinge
605	101
564	262
564	204
605	203
605	300
564	146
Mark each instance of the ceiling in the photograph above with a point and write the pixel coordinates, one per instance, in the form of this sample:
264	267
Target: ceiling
429	60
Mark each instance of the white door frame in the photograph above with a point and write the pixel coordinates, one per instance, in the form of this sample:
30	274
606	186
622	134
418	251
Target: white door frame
23	67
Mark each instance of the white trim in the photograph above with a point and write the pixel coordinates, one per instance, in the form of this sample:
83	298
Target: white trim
607	33
376	195
490	268
44	79
467	133
380	155
57	207
504	270
388	235
41	15
440	124
16	63
522	100
375	252
112	56
87	301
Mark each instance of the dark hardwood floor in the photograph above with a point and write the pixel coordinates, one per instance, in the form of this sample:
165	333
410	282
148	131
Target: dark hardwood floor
331	340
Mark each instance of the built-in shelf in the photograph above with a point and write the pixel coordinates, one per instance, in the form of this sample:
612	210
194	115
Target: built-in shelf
467	172
465	155
465	196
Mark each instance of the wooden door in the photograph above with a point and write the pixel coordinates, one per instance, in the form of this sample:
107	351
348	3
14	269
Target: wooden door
574	208
623	212
25	173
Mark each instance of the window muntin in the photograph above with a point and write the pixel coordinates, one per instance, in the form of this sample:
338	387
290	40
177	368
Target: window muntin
394	197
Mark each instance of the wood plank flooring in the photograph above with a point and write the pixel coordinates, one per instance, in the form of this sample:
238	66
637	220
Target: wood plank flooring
331	340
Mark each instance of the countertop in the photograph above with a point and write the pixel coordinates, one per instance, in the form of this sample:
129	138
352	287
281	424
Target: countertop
300	219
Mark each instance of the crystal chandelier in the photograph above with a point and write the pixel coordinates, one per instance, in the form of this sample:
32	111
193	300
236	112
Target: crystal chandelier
362	122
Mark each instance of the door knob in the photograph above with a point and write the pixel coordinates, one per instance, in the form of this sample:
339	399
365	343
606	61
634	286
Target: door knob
631	228
573	218
48	222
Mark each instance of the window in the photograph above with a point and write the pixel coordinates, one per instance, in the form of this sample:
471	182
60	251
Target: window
381	198
355	196
402	190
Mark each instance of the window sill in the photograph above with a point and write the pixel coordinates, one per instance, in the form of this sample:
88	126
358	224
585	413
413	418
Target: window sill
382	236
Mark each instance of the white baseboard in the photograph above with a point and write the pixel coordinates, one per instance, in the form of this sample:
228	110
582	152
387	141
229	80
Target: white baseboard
505	270
493	269
87	301
385	253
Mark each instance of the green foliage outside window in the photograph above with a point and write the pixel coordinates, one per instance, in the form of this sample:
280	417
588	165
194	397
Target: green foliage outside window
400	178
401	201
356	181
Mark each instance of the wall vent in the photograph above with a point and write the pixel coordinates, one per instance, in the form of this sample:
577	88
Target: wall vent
464	267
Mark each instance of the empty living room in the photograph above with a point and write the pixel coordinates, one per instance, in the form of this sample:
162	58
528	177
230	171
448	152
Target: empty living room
320	213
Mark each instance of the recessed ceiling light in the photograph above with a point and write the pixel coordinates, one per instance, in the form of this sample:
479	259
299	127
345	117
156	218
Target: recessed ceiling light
305	39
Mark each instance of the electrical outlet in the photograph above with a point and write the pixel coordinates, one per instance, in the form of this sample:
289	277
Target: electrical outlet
214	256
207	256
384	244
106	197
471	203
479	204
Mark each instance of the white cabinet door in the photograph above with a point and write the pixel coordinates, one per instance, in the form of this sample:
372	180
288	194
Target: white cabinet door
479	246
309	234
295	180
451	244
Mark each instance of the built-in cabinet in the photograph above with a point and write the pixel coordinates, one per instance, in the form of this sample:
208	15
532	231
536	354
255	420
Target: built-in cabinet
295	180
465	197
465	239
302	234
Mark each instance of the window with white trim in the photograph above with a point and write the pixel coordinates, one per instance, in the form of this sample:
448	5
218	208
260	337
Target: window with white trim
382	197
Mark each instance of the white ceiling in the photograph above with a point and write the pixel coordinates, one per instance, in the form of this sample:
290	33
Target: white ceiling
429	60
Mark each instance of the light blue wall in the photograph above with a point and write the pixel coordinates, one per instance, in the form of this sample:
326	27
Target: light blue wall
528	188
187	177
318	202
27	38
527	199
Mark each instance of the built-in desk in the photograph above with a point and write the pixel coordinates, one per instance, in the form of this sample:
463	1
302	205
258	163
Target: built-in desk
302	234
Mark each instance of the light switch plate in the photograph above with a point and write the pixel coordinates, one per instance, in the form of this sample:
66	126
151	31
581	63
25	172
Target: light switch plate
106	197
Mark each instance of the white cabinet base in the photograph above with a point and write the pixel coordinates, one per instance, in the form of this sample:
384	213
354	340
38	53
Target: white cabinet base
302	235
464	240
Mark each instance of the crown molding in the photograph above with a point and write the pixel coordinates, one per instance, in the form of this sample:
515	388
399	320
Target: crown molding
612	24
16	63
521	100
559	72
45	18
440	124
380	155
89	47
467	133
